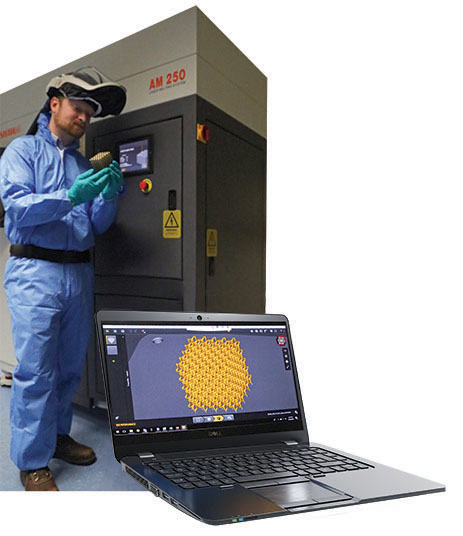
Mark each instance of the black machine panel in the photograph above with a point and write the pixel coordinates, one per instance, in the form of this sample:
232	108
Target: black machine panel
217	185
134	244
236	207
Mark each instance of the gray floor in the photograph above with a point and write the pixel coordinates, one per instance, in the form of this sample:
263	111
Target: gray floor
89	427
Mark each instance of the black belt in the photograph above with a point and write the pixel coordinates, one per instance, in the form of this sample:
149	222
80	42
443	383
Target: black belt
52	255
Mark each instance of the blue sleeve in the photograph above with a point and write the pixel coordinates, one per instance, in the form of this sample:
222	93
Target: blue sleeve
102	213
17	188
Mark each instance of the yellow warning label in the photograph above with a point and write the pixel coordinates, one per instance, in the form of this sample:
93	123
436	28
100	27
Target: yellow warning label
172	224
211	242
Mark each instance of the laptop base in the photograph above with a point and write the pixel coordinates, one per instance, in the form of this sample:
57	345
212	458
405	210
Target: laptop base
245	502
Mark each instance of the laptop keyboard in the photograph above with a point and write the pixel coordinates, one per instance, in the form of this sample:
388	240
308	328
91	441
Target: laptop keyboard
255	469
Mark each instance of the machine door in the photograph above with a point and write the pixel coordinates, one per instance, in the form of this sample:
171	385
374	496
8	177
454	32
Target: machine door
236	209
134	245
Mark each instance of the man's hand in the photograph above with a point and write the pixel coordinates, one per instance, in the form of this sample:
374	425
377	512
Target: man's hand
116	182
88	185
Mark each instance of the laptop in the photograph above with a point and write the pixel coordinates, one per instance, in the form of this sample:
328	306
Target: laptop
206	412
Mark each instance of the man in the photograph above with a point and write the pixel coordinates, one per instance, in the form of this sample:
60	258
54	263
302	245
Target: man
54	203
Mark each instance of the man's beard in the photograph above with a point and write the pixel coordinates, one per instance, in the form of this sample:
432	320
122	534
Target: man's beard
73	129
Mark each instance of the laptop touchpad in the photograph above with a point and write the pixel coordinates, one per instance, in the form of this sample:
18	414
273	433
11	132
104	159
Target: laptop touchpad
301	494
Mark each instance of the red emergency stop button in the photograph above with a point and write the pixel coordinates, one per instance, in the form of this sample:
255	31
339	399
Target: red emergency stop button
145	185
202	133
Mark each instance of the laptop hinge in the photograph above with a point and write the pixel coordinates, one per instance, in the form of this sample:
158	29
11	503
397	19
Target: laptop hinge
291	443
146	455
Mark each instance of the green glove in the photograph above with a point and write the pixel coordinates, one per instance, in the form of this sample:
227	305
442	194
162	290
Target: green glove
88	185
116	182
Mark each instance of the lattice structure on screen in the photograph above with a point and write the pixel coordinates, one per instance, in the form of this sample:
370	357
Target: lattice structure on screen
214	374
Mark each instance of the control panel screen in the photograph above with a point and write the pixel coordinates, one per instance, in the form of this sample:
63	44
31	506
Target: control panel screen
135	156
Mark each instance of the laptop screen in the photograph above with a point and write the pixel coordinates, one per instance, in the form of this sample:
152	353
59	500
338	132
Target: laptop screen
166	378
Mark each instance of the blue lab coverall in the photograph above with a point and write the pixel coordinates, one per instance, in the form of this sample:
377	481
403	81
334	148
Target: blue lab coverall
51	304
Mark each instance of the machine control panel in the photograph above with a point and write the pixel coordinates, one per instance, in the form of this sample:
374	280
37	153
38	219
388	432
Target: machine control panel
136	156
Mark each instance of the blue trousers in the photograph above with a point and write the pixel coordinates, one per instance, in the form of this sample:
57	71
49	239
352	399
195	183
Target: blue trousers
51	308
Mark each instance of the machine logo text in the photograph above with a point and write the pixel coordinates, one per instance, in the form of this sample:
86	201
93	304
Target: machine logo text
10	132
171	79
